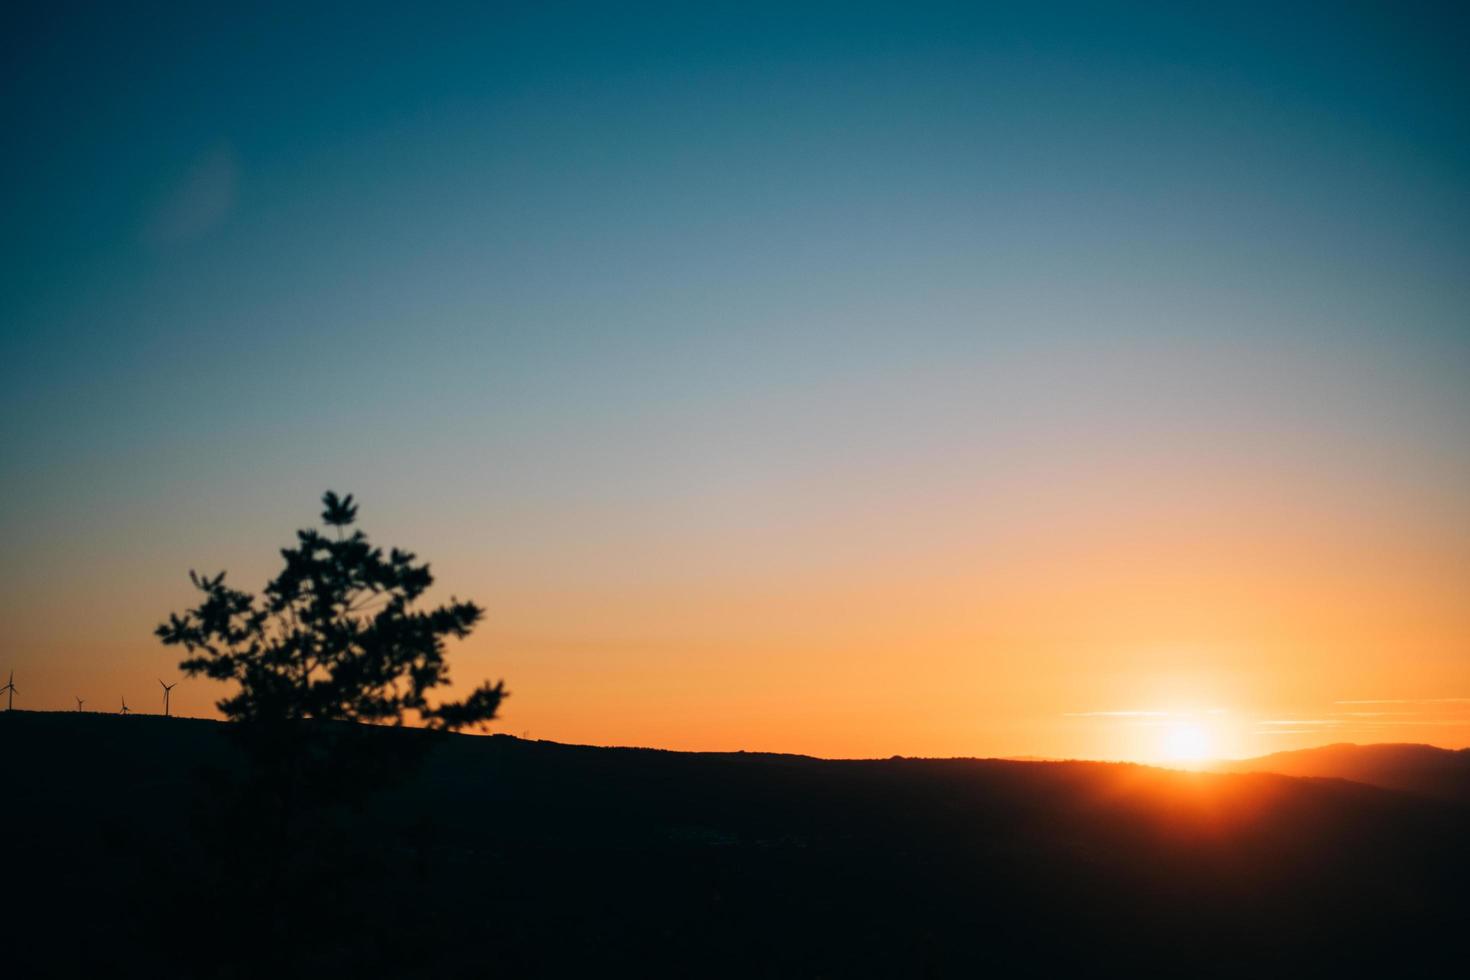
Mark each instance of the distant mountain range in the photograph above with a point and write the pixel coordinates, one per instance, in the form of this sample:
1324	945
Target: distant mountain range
1425	770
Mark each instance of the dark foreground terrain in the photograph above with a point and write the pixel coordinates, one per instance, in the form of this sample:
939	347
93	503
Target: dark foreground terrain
504	857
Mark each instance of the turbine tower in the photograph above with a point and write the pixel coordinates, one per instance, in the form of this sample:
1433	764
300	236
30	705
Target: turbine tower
9	689
166	688
80	702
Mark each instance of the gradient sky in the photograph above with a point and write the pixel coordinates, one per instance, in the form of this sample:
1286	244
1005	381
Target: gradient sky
854	380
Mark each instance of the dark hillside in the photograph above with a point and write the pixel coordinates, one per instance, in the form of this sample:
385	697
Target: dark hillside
512	858
1423	769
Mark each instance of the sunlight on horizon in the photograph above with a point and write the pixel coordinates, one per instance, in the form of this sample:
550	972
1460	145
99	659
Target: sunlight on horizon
1188	743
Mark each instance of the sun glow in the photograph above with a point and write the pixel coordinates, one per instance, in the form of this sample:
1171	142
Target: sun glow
1187	742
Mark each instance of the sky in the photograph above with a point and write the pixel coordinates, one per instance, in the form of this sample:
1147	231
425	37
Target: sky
1070	380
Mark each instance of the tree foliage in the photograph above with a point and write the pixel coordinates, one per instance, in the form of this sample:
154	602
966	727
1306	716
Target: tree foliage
336	636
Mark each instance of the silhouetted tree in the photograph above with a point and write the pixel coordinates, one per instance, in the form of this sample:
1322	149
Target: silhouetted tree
335	637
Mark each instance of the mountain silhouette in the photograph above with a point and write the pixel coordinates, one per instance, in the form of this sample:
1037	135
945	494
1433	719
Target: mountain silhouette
507	857
1411	768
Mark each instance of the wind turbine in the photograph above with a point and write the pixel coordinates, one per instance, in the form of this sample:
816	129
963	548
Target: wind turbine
80	702
166	689
125	709
9	689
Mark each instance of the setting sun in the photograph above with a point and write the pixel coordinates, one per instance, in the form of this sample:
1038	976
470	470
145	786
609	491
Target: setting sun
1187	742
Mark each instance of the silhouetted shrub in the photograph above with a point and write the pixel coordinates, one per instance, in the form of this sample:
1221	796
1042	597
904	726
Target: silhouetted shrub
336	640
334	637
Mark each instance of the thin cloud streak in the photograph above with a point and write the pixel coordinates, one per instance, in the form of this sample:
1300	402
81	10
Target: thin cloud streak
1407	701
1323	722
1440	723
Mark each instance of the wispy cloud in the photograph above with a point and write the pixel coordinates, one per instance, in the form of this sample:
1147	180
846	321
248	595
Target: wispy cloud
1431	723
1407	701
1318	722
1116	714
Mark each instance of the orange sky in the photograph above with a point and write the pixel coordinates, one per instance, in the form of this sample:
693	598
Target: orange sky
1256	611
